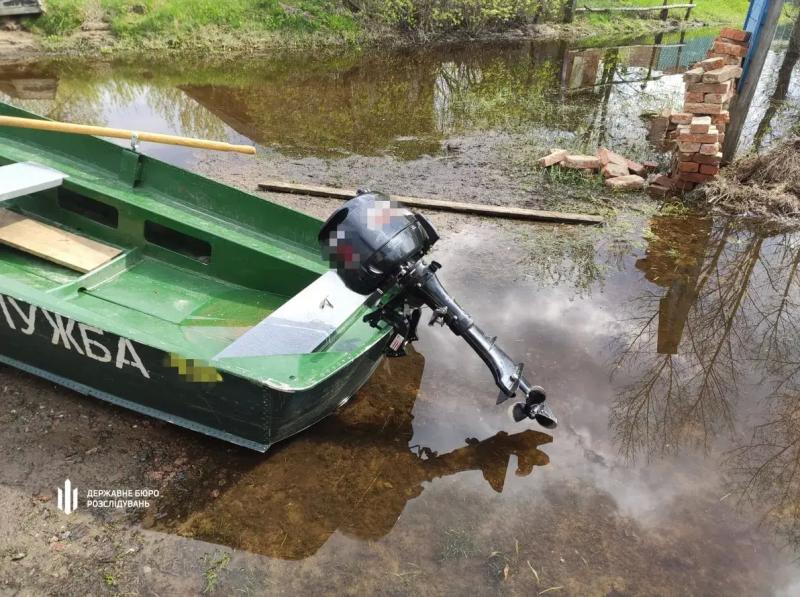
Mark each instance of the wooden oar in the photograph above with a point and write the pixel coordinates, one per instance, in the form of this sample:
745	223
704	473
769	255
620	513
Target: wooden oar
134	136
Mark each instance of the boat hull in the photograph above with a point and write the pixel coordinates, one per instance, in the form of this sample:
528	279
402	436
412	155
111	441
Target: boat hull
156	383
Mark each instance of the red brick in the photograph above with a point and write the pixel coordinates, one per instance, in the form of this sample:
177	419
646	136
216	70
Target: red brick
709	148
729	49
709	169
694	75
607	156
612	170
636	168
626	183
735	34
694	97
727	58
722	118
688	167
683	185
703	108
694	177
664	181
700	124
681	117
709	87
712	160
659	192
702	138
689	147
711	64
582	162
716	98
555	157
650	166
720	75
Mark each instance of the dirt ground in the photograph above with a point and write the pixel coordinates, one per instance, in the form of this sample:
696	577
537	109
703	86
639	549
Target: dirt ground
18	45
491	168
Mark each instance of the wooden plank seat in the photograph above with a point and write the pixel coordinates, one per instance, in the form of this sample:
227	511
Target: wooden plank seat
34	237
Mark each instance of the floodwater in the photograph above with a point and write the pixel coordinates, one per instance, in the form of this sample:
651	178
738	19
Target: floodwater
400	103
669	355
675	373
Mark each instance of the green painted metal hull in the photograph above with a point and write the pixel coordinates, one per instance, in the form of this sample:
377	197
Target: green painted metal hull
201	263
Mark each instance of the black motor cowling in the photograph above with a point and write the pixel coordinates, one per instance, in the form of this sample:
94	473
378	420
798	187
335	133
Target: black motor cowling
376	244
370	237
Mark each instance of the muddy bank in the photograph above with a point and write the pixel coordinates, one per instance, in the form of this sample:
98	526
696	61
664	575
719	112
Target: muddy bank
19	45
477	169
96	40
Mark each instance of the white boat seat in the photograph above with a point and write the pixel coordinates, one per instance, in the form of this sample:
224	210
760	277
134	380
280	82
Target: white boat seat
24	178
301	324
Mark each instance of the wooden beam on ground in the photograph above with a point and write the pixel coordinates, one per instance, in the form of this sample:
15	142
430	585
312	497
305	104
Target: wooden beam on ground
590	10
53	244
515	213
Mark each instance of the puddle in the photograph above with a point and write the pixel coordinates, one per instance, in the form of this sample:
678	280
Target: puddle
674	371
403	103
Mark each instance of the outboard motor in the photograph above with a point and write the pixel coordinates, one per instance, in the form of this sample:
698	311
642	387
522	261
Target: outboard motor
377	247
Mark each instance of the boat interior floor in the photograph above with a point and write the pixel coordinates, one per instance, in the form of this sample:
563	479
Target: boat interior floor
184	310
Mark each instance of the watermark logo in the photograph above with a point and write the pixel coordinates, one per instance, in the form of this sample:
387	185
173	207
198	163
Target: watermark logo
117	498
68	498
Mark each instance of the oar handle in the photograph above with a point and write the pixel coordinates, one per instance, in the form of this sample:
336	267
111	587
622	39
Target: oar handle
102	131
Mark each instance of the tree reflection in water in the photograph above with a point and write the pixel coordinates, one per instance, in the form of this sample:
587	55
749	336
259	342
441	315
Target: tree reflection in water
354	475
716	358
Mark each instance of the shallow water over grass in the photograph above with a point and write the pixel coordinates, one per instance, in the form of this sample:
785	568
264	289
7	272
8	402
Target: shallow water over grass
399	103
403	103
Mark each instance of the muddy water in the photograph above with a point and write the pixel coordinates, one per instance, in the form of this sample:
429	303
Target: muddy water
399	103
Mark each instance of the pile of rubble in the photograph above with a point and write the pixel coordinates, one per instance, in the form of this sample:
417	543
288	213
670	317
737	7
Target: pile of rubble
620	173
695	134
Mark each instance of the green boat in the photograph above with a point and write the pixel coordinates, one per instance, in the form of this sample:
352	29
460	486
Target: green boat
142	284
